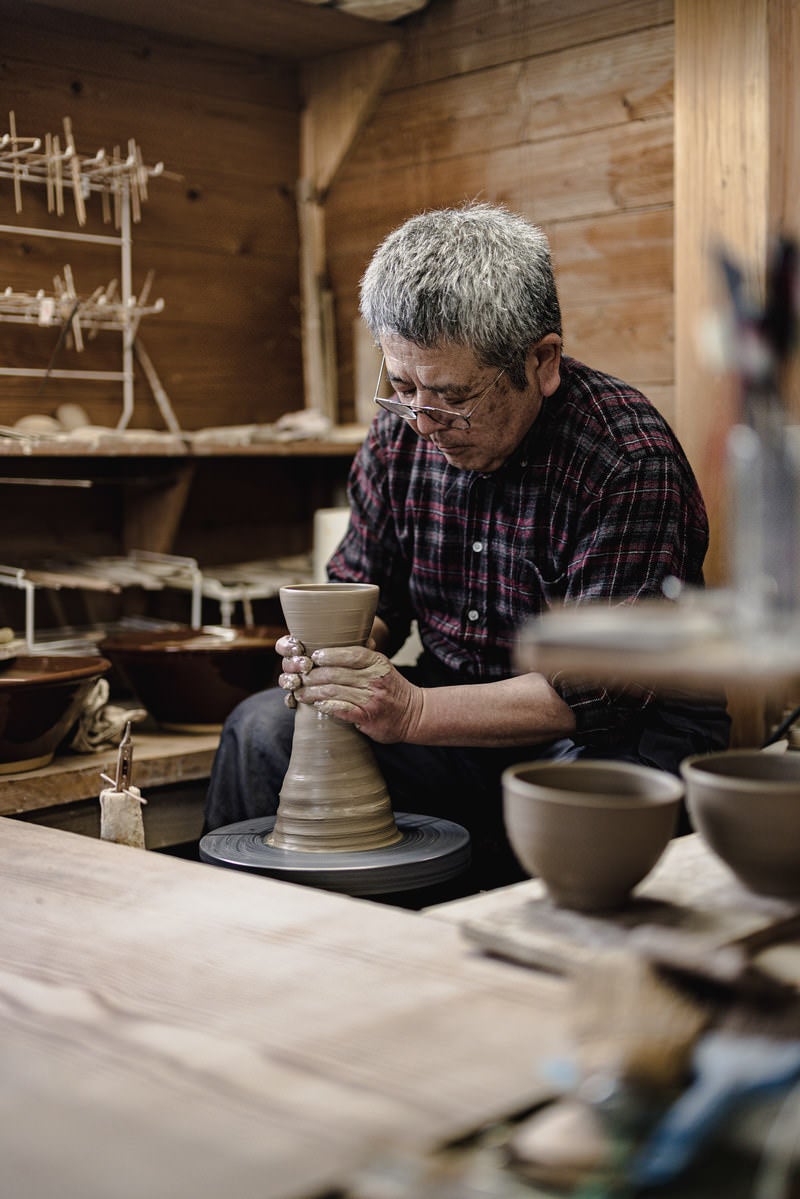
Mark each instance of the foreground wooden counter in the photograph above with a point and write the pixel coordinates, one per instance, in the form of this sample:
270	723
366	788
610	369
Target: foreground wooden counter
171	1028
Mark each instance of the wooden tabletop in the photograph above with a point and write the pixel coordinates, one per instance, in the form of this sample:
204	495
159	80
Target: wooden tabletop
172	1028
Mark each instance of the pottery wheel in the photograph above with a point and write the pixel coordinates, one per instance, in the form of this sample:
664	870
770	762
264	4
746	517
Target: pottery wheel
430	851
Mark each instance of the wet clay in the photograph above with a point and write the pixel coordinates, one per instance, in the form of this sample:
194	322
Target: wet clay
333	798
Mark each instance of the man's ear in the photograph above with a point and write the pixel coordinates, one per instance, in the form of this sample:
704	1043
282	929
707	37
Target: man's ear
544	361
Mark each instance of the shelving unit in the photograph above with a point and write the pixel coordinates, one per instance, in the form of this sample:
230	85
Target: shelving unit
122	185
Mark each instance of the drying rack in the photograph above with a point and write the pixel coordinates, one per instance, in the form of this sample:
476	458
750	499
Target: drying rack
122	183
227	585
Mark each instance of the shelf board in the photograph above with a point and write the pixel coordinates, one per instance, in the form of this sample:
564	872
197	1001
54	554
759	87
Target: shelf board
158	447
160	759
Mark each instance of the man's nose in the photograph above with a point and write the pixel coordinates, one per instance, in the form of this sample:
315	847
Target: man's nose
424	424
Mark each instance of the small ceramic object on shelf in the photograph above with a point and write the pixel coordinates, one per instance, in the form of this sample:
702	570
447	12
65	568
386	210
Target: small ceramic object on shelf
591	830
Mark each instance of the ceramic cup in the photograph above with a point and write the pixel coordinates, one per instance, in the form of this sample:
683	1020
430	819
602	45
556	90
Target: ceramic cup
590	830
745	804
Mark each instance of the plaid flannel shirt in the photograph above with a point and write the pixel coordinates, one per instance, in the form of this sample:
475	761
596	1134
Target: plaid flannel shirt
598	502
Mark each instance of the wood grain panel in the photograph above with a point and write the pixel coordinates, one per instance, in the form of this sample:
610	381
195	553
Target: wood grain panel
632	339
594	173
212	376
206	208
629	254
34	34
184	129
589	87
455	37
279	27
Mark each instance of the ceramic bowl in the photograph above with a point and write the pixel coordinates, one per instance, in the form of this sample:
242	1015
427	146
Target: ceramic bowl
189	680
590	830
745	804
40	700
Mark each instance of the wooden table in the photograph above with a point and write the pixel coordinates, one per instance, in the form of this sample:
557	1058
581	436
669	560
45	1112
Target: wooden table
171	770
175	1029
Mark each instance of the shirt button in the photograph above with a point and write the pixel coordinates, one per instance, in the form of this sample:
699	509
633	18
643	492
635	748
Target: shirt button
477	546
473	614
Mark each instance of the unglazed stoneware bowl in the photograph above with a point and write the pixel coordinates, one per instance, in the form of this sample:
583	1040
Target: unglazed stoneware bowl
590	830
40	699
190	680
745	804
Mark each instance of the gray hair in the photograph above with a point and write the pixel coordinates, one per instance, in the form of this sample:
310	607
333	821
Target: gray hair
478	276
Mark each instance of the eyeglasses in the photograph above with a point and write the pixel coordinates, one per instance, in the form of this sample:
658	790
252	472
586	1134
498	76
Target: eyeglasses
440	416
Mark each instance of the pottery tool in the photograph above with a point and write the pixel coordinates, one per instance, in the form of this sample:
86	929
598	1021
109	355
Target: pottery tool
58	175
50	174
159	394
75	172
117	187
12	127
134	178
121	802
66	325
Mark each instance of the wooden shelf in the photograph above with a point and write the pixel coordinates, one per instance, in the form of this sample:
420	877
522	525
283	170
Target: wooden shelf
171	771
175	447
160	759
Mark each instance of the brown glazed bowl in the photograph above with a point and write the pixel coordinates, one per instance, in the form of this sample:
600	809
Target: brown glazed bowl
745	804
189	680
40	699
590	830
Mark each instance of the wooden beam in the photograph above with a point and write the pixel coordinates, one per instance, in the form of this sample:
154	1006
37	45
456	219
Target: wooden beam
737	181
784	144
340	91
721	195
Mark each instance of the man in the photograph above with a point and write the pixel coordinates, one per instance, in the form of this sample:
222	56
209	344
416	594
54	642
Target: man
499	478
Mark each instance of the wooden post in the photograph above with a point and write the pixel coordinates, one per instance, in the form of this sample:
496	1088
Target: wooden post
721	172
340	93
737	182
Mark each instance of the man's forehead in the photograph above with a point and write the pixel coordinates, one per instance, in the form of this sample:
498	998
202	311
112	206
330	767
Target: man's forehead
456	364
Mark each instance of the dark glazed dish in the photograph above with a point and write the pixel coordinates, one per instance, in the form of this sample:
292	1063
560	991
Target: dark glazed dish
40	699
191	679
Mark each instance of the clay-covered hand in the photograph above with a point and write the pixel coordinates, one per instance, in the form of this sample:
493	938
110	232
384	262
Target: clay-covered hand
295	664
361	686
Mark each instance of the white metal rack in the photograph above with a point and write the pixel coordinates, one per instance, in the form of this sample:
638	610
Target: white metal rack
122	185
228	585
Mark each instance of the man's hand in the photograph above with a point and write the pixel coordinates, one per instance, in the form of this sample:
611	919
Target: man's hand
355	684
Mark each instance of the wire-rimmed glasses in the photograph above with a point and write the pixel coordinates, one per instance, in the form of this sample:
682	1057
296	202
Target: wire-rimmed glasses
440	416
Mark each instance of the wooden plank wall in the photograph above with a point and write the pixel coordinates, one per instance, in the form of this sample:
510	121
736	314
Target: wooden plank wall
222	238
564	112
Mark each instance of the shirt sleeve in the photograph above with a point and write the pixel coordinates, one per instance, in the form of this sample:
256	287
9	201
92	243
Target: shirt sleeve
643	525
